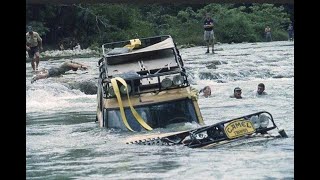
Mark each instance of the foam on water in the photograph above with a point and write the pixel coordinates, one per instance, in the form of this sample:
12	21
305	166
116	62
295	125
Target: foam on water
64	142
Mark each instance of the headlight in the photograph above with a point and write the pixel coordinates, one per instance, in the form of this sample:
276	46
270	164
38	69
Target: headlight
123	89
255	121
111	91
177	80
264	120
166	82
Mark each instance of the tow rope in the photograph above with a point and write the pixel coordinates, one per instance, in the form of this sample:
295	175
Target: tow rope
134	112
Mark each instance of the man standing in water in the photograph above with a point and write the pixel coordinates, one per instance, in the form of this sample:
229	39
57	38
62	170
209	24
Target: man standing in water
33	43
267	31
290	32
57	71
208	32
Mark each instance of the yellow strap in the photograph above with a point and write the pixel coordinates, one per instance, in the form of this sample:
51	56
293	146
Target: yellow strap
134	112
193	93
117	93
130	46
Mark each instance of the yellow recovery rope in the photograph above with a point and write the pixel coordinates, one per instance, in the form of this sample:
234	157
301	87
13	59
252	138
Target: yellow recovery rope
134	112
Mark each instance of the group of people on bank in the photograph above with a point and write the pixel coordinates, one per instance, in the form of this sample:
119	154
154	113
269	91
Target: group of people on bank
237	92
209	37
268	36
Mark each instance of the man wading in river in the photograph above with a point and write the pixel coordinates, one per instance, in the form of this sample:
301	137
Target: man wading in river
33	43
208	32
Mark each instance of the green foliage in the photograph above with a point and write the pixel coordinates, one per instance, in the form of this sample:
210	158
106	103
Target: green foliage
279	35
101	23
96	47
267	14
39	27
235	28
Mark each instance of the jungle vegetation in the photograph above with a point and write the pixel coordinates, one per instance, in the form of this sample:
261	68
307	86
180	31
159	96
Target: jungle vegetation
94	24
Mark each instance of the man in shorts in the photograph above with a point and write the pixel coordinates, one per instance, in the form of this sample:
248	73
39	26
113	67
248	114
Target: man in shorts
33	43
208	32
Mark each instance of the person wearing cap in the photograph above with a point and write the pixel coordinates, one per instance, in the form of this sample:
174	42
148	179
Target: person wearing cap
260	90
57	71
33	43
206	91
237	93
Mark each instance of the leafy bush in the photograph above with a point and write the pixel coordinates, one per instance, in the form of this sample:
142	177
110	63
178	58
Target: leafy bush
39	27
235	28
101	23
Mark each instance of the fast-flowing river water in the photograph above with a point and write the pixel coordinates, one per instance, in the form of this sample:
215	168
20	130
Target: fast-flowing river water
64	142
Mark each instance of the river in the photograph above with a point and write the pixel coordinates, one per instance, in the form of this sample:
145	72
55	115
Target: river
64	142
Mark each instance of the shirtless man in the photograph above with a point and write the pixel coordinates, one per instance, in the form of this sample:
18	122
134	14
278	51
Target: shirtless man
267	31
57	71
33	43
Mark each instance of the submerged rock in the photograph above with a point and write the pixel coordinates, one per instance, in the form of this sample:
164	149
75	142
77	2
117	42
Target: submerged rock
278	76
221	81
218	49
211	66
87	87
207	75
218	62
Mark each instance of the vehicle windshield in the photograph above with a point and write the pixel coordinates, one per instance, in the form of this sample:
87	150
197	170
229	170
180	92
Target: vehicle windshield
155	115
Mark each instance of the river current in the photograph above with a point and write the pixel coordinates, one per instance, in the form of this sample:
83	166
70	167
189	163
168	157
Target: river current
64	142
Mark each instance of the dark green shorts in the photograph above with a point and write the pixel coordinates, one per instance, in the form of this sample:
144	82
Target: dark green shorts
32	51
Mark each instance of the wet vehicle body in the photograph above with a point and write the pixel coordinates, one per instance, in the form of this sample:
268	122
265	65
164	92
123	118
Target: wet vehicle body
143	84
250	128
